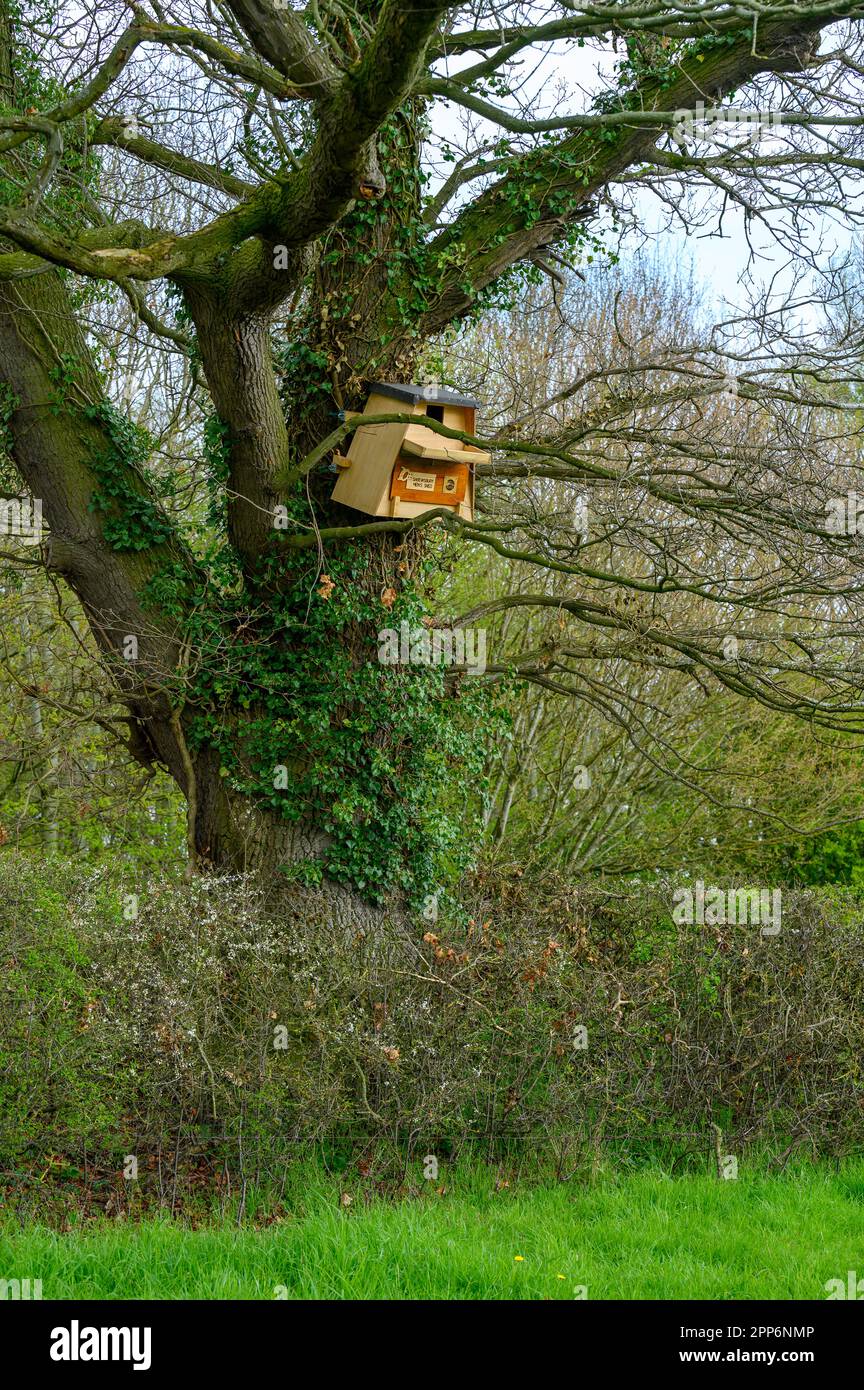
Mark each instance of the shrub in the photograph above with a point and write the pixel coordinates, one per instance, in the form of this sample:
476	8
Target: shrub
238	1033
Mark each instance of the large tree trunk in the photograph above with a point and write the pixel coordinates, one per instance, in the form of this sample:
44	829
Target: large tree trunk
115	553
66	456
350	326
62	447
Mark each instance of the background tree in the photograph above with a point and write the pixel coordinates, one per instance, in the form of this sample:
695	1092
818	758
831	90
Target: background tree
621	765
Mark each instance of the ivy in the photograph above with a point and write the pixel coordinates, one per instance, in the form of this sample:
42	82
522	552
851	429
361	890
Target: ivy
217	471
657	61
386	761
131	520
9	403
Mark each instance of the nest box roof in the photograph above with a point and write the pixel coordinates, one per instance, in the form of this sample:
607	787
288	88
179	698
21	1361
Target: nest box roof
437	395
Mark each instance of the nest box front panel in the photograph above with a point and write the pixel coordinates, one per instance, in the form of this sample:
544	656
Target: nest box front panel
437	487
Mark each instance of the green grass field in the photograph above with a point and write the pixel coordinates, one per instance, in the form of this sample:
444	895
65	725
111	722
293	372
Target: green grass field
645	1236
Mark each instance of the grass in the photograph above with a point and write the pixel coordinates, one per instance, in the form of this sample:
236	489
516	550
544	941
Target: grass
643	1236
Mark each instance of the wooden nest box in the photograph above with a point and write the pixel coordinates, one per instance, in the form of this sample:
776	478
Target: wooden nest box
406	470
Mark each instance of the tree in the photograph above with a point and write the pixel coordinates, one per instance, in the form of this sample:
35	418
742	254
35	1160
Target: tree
250	181
618	765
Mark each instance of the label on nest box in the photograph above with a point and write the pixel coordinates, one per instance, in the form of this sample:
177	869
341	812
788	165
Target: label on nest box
417	482
435	488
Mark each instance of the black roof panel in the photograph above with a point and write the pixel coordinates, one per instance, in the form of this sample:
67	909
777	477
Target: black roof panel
438	395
